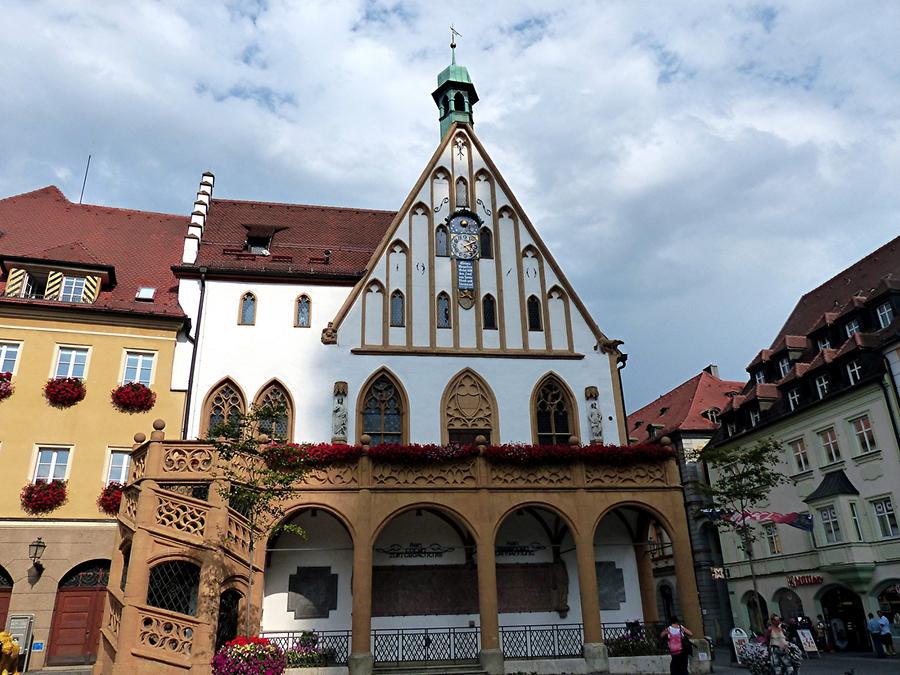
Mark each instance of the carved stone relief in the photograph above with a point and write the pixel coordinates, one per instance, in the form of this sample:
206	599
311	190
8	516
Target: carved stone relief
312	592
339	413
468	404
611	584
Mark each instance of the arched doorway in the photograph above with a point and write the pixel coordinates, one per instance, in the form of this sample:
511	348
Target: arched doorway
790	606
308	583
756	609
229	616
425	589
889	600
537	586
77	615
844	612
6	586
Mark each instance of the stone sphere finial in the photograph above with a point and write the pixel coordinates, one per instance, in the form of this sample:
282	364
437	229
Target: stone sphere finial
574	441
480	441
365	440
140	438
159	424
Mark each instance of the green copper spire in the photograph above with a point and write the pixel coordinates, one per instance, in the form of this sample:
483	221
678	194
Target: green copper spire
455	94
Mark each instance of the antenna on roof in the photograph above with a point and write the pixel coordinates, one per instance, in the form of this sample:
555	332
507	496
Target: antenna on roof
84	182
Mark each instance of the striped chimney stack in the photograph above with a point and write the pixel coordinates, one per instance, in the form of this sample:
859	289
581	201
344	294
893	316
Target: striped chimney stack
198	218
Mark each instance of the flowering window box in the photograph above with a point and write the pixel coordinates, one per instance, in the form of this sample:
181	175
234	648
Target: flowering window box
64	392
394	453
133	397
6	386
110	498
43	496
293	456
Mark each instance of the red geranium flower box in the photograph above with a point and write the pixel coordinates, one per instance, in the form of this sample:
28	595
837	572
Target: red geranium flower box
288	456
64	391
612	455
394	453
6	387
110	498
133	397
43	496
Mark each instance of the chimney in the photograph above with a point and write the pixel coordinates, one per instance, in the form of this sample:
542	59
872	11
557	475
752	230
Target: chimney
713	370
198	218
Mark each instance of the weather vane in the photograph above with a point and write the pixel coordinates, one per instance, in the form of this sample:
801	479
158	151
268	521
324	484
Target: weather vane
453	34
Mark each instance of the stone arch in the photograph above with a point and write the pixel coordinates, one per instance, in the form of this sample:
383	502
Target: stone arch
463	520
788	602
77	613
547	506
640	506
224	399
403	399
269	394
469	408
295	510
543	398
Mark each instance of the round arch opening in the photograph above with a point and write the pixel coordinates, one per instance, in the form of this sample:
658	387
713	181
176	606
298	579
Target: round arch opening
78	614
843	610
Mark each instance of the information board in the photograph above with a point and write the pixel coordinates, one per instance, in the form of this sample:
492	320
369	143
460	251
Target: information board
19	627
465	275
739	638
808	642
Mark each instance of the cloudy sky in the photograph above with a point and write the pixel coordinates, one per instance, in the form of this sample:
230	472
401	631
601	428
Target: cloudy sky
695	166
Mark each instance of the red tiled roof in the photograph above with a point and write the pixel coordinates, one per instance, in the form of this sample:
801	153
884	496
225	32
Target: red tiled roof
763	355
141	245
681	408
761	390
860	278
798	370
303	234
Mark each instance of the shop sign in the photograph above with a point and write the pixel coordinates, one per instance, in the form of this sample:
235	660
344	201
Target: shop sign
717	572
415	550
514	548
804	580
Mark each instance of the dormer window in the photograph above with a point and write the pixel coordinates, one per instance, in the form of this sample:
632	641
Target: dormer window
712	414
794	398
72	289
854	372
754	417
822	386
731	428
760	376
35	285
784	366
885	314
824	343
259	244
852	327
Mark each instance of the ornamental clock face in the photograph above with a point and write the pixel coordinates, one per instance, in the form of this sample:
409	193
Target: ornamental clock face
464	246
464	222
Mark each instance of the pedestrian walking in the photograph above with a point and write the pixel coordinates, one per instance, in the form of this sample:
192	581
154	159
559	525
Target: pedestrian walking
779	652
822	634
875	633
887	639
680	647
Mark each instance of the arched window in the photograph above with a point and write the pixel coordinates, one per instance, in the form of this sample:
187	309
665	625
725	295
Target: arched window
486	243
382	411
459	103
469	409
443	311
552	413
489	312
303	314
441	245
247	314
224	405
445	105
398	309
174	586
229	616
462	193
275	398
534	313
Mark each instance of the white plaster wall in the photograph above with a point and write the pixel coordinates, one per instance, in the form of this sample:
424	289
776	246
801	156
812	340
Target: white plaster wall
421	263
612	542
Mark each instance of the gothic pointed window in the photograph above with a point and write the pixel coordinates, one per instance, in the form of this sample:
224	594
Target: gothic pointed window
534	313
224	405
247	314
279	420
553	412
443	311
462	193
441	241
398	309
382	411
304	312
489	313
459	102
486	243
468	408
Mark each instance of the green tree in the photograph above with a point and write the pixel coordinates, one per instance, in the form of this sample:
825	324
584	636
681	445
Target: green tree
741	479
255	480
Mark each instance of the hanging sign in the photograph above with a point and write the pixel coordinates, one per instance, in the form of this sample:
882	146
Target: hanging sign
465	275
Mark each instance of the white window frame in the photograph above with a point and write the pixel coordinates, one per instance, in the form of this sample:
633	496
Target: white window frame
800	454
854	518
123	473
760	376
142	353
794	398
822	386
852	327
832	525
55	366
75	285
4	349
884	517
731	428
824	343
784	365
865	436
853	371
755	417
832	449
773	539
36	463
885	314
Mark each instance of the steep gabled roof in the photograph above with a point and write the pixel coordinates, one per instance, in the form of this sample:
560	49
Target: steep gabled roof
681	409
141	246
833	483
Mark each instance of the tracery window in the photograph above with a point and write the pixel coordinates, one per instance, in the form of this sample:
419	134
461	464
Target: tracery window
224	405
382	411
441	241
553	414
534	313
398	309
303	315
275	397
489	312
443	310
486	243
247	315
468	408
174	586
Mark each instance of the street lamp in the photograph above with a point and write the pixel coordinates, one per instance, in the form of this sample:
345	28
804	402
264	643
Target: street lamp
35	551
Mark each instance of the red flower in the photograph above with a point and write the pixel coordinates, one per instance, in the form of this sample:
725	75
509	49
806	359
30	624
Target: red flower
110	498
6	387
288	456
612	455
242	640
413	453
43	497
133	397
64	391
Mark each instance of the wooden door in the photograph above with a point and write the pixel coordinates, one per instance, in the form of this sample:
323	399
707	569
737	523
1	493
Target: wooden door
5	595
75	630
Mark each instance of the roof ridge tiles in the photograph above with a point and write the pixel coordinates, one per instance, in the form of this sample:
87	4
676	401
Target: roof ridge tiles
256	202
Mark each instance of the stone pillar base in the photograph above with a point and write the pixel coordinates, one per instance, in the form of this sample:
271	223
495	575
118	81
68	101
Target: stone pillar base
361	664
596	657
492	661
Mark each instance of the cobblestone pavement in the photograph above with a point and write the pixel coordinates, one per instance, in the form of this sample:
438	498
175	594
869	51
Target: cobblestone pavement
831	664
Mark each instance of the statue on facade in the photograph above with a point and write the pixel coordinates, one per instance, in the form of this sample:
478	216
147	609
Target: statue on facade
595	417
339	413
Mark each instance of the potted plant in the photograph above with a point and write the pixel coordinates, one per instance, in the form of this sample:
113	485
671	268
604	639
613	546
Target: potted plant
6	387
416	454
43	496
63	392
133	397
249	656
110	498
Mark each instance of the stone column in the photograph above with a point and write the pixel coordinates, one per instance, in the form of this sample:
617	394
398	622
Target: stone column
361	660
491	656
647	583
686	581
594	650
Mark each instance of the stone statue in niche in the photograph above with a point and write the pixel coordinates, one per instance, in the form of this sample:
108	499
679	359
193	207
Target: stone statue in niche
595	418
339	413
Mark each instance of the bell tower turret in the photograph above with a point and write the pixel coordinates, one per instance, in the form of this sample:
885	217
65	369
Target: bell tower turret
455	94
